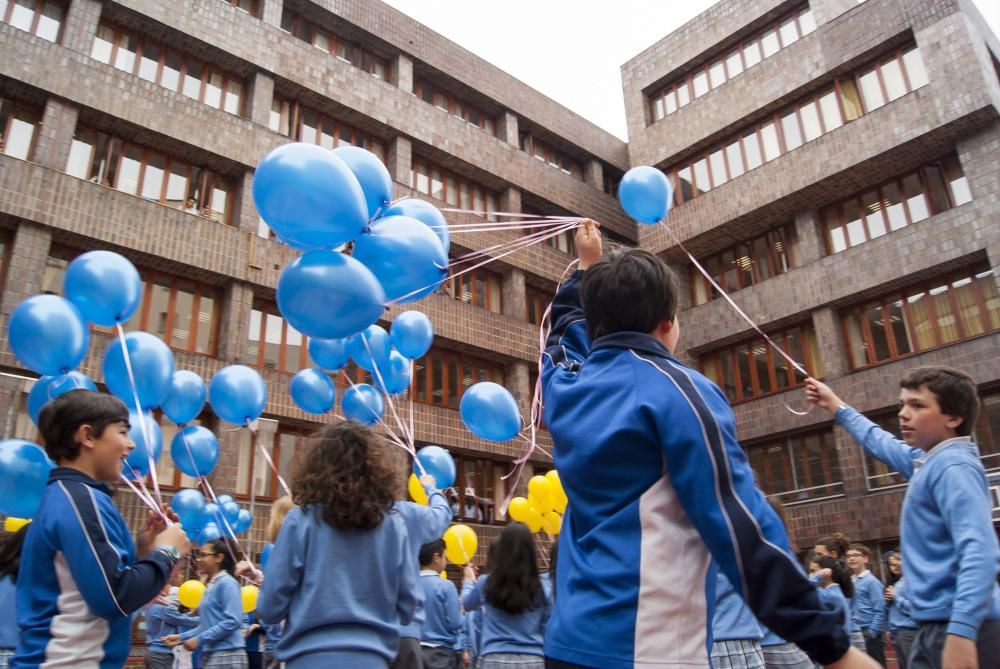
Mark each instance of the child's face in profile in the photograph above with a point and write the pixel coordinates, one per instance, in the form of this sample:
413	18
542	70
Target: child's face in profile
921	421
813	568
109	451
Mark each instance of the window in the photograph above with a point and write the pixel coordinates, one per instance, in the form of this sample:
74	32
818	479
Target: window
481	478
441	184
167	475
907	199
538	301
274	344
248	6
746	264
43	18
180	73
798	468
441	376
303	124
454	106
285	444
149	174
550	156
926	316
480	287
987	430
562	242
336	46
752	369
18	123
877	473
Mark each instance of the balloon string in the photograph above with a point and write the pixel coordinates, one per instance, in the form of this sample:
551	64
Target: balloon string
480	212
393	438
144	495
146	434
230	533
456	228
270	462
525	240
388	397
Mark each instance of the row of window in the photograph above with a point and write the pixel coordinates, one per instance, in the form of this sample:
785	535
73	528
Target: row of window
453	105
324	40
17	128
441	184
746	264
180	73
479	287
303	124
845	100
550	156
43	18
763	44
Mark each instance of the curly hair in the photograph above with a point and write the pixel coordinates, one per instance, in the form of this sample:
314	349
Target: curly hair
348	472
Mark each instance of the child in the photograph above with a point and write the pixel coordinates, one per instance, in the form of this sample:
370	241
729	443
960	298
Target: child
834	545
902	627
647	451
10	562
868	603
254	633
162	620
830	574
220	614
945	529
342	575
81	563
735	633
442	615
514	600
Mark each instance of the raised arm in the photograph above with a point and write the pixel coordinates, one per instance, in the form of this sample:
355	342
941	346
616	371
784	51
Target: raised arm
568	342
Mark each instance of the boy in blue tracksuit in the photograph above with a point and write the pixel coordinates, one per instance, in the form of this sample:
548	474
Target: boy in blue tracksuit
442	614
647	452
82	576
868	603
946	532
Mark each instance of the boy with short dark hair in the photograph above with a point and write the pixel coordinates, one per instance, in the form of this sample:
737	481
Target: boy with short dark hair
81	578
945	527
868	604
443	617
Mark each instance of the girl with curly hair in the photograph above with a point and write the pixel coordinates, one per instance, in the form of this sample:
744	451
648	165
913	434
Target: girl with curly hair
341	575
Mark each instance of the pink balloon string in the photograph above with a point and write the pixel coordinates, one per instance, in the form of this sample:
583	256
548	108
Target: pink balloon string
146	432
267	457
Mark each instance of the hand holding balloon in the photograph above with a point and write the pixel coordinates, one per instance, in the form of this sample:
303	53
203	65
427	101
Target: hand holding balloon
588	243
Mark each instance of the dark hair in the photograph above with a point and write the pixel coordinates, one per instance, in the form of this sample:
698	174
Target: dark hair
429	550
63	416
861	548
348	472
836	542
10	552
513	585
838	572
628	291
955	391
890	577
227	550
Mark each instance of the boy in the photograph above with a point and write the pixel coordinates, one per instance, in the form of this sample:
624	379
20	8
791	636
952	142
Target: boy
658	485
868	603
81	579
945	529
443	617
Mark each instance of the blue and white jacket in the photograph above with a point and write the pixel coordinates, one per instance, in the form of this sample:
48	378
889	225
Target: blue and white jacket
81	581
647	452
220	616
424	524
946	533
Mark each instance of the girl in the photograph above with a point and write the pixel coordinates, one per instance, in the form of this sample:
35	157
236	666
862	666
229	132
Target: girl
220	615
10	562
834	545
516	603
902	627
834	581
341	574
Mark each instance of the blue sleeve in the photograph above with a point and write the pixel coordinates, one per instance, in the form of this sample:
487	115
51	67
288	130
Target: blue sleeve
283	573
425	524
451	607
962	495
463	632
568	344
112	584
227	591
878	443
410	593
877	593
472	595
181	621
154	620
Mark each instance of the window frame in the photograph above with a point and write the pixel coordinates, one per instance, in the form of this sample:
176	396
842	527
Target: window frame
37	13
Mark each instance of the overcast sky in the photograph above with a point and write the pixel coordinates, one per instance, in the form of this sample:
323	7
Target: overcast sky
571	50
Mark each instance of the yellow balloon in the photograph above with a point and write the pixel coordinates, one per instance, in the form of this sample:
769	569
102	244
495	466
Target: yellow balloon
519	509
534	522
12	524
558	493
190	593
416	490
444	576
460	544
539	492
552	522
249	595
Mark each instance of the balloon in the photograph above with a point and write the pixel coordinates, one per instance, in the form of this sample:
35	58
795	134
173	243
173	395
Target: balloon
552	522
558	493
152	368
24	475
378	343
438	463
186	397
231	511
416	490
199	455
519	509
444	575
104	286
12	524
222	499
534	520
539	493
412	334
374	178
395	374
237	394
645	194
309	197
490	412
190	593
248	594
460	544
265	555
313	391
38	397
405	255
48	334
188	504
138	459
329	295
330	354
48	388
210	514
363	404
243	521
426	213
211	532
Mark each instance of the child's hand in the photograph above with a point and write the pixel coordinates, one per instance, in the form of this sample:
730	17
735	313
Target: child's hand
820	394
171	640
959	653
155	524
191	644
427	481
825	577
469	573
890	593
588	243
174	536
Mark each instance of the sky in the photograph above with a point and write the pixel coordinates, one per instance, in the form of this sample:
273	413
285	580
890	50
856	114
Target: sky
571	50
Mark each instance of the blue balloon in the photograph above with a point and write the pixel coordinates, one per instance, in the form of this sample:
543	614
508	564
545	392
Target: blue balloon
210	514
231	510
152	366
48	334
395	374
38	397
309	197
104	286
210	532
222	499
404	255
265	555
238	394
188	504
375	180
645	194
195	450
47	388
490	412
412	334
24	475
438	463
313	391
378	344
426	213
186	398
138	459
329	295
330	354
363	404
243	522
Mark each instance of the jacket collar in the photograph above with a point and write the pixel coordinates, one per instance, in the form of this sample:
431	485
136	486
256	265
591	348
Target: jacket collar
636	341
70	474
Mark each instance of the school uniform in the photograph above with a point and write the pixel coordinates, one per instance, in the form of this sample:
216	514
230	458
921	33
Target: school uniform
781	654
220	625
254	641
161	621
8	629
868	612
902	626
508	640
442	624
736	634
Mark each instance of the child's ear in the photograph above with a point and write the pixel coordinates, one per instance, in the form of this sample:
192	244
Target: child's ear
954	422
84	435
